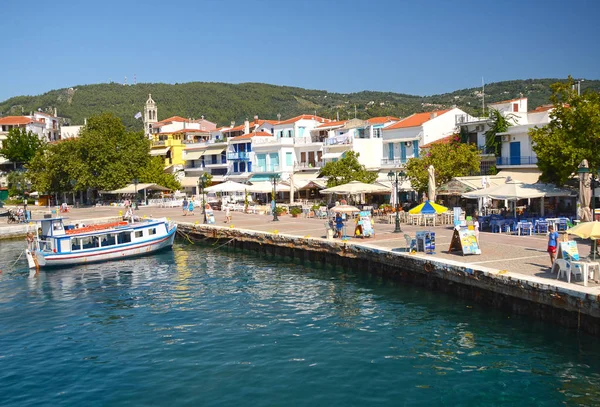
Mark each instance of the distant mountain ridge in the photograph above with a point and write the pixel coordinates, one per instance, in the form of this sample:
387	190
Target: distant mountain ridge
223	102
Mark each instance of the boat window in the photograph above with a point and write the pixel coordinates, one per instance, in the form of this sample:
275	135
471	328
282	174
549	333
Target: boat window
124	237
90	242
152	231
107	240
75	244
139	233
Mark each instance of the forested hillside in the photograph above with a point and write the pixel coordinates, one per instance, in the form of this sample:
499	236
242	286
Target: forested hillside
223	103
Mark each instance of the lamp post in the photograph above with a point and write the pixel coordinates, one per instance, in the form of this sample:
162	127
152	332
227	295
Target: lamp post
201	185
135	182
397	177
274	179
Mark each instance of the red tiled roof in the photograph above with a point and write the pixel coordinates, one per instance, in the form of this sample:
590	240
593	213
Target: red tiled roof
445	140
16	120
250	135
507	101
379	120
333	124
542	108
416	119
302	117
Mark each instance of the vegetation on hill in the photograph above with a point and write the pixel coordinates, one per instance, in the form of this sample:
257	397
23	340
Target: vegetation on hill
222	102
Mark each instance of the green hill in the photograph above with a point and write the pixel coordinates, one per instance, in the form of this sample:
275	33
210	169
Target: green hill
222	102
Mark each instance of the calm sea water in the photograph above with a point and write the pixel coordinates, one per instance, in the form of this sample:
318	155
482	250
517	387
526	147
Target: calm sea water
198	326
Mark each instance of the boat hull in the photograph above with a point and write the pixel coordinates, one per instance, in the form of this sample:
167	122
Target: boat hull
100	255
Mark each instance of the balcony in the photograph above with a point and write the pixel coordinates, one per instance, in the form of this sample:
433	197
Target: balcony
338	140
214	163
158	143
267	168
307	165
516	160
239	156
393	162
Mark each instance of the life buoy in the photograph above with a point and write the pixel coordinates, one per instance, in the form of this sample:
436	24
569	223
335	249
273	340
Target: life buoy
428	267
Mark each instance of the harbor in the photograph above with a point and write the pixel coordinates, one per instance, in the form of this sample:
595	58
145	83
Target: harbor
512	273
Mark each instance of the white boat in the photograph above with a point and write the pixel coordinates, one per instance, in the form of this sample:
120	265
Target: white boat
53	244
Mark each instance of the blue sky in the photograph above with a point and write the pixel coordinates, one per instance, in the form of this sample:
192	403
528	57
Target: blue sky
414	47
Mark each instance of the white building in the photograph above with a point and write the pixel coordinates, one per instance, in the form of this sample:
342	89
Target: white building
402	140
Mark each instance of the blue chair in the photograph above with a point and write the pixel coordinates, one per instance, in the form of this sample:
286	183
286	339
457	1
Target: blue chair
541	227
562	225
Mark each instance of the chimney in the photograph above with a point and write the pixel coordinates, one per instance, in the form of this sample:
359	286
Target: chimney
232	124
85	121
55	113
246	126
432	115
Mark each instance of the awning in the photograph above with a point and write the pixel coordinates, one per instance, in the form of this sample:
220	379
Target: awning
266	187
213	151
189	182
159	151
462	185
132	188
327	156
261	177
194	155
527	176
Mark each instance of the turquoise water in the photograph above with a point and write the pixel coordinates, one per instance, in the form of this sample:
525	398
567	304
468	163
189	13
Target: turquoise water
198	326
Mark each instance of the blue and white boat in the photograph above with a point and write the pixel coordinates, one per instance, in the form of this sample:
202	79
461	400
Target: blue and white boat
53	244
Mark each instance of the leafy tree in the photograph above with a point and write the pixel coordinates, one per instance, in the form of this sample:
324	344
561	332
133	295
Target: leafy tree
20	146
347	169
450	160
17	182
154	173
57	168
112	155
499	124
572	135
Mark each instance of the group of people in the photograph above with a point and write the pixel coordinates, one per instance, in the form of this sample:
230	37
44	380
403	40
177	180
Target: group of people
188	207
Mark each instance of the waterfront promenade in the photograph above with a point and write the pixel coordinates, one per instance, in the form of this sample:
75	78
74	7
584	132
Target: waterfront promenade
521	255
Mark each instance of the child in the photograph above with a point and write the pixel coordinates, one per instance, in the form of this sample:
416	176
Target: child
191	208
552	243
227	214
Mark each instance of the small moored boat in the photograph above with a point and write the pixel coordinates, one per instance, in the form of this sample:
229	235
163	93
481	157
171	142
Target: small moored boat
53	244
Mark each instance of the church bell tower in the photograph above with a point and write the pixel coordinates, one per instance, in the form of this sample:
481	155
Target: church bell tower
150	114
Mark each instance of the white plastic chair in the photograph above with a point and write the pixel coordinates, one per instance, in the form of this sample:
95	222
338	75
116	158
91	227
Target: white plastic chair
565	268
411	242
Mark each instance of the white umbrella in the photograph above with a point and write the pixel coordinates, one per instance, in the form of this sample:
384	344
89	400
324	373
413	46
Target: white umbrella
585	193
356	187
228	186
266	187
431	184
344	209
515	190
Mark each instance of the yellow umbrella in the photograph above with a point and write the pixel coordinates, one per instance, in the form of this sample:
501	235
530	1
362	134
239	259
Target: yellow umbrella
428	208
587	230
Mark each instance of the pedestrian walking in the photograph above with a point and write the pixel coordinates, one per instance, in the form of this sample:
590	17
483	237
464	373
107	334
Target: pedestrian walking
184	206
191	208
227	214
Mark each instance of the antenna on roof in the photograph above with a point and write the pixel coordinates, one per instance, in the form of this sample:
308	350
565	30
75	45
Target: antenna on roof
134	79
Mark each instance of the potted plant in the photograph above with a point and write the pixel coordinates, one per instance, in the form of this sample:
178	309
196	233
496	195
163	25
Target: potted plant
295	211
281	210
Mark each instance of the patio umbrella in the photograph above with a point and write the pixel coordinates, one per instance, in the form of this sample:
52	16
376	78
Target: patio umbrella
228	186
587	230
344	209
356	187
428	208
431	184
585	194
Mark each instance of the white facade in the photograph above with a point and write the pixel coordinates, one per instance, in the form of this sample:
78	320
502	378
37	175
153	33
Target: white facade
67	132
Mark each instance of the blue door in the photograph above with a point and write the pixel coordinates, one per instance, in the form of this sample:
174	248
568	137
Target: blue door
515	153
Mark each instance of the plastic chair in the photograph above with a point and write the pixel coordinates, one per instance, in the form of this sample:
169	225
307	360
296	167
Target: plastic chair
542	227
565	268
411	243
562	225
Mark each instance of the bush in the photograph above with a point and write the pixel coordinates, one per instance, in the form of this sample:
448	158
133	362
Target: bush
295	211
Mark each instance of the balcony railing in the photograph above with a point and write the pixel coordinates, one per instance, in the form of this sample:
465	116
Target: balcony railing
239	156
222	161
517	160
158	143
393	162
333	141
267	168
307	164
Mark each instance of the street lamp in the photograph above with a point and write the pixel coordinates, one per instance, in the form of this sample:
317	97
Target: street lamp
397	177
274	179
135	182
201	185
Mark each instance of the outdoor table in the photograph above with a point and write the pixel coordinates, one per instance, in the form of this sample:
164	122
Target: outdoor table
585	269
521	226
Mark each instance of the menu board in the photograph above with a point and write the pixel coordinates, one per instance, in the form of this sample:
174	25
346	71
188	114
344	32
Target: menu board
464	240
568	250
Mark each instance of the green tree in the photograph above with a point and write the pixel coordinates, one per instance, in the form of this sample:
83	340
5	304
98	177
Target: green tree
499	124
20	146
57	168
347	169
154	173
572	135
450	160
113	156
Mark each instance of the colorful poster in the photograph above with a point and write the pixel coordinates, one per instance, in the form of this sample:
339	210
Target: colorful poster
568	250
464	240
